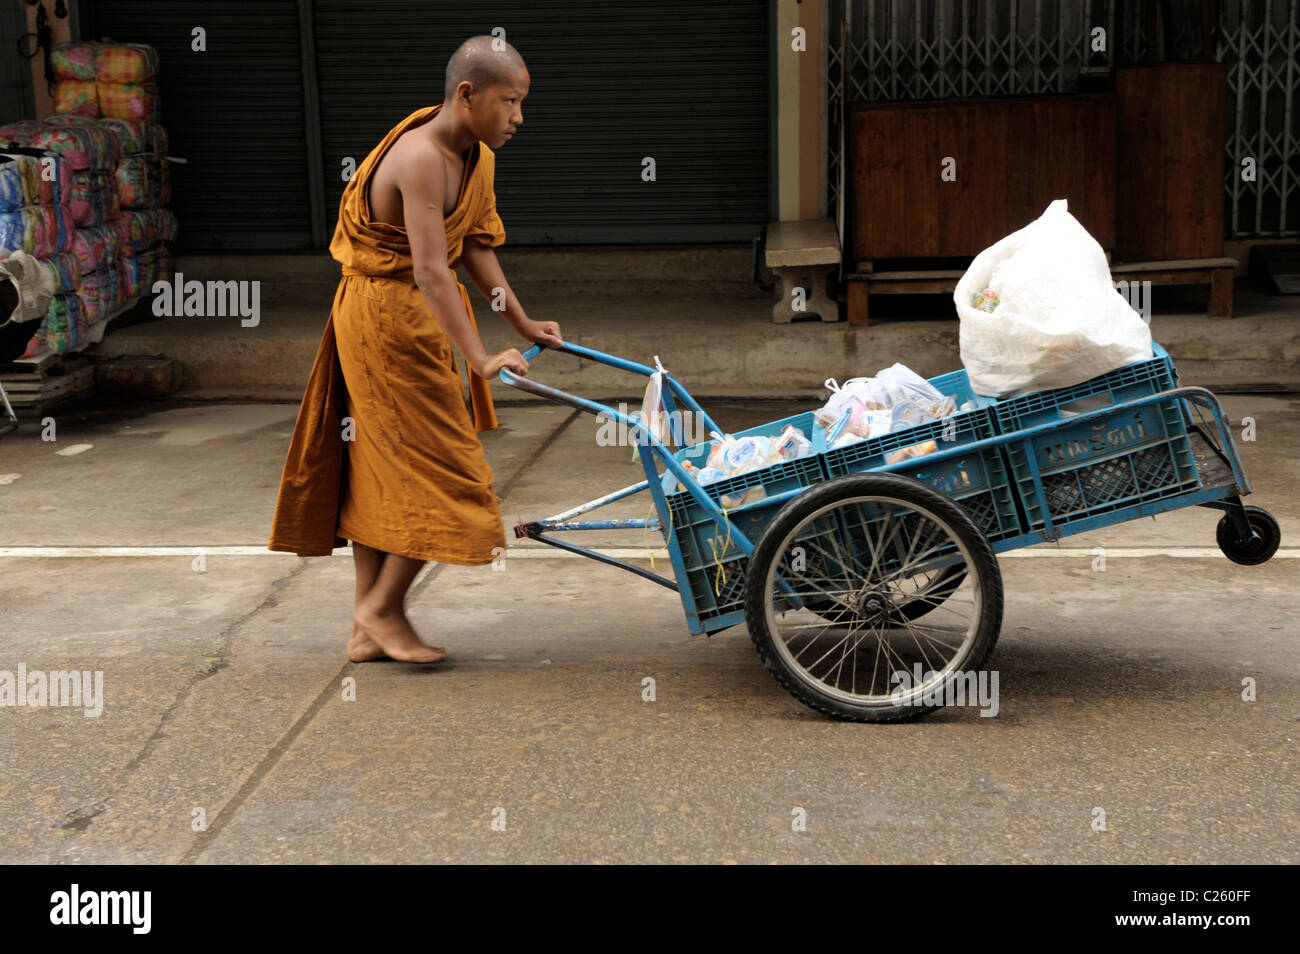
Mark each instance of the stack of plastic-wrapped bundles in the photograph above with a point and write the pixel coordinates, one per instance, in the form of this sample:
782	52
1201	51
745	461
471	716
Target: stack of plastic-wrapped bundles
106	131
35	218
90	153
106	79
137	249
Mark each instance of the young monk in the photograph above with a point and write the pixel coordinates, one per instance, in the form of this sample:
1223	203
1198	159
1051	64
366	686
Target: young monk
384	451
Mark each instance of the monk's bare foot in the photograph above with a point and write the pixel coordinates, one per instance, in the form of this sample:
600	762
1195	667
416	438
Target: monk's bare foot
395	636
361	648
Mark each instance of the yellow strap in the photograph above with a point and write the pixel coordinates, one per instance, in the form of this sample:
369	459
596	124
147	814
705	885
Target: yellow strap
645	531
720	576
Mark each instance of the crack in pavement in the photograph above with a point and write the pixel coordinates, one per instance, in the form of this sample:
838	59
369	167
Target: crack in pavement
264	767
536	455
285	742
79	819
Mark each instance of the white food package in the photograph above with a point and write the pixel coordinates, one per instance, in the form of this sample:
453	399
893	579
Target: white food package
1059	320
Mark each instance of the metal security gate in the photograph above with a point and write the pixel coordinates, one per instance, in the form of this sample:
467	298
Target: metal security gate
1261	44
908	50
234	110
646	122
683	83
15	70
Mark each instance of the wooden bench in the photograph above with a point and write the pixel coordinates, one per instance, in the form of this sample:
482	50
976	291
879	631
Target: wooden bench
1217	272
865	283
803	255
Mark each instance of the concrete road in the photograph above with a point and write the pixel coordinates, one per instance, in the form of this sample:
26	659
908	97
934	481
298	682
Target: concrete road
228	730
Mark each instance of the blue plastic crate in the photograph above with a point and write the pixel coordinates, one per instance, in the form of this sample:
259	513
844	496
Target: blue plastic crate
1137	380
979	481
715	566
1129	457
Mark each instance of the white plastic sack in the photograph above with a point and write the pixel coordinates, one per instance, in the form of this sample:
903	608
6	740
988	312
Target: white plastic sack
1059	320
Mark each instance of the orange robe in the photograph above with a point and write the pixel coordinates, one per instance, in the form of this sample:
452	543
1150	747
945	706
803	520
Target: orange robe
411	477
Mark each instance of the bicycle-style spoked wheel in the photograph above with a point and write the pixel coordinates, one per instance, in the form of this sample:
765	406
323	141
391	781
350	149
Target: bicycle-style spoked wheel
838	583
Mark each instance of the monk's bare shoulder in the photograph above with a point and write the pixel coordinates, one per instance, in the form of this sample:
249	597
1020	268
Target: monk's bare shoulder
411	162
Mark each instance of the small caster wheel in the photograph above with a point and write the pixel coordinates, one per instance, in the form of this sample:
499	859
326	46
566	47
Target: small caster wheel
1259	548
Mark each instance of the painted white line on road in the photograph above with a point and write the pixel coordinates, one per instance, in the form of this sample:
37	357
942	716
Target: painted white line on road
73	450
1195	553
43	552
622	553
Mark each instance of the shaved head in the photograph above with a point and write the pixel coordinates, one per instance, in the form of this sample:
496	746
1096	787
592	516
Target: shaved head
478	62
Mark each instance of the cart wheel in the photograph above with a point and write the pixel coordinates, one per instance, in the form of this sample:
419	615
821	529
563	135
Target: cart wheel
839	578
932	589
1259	548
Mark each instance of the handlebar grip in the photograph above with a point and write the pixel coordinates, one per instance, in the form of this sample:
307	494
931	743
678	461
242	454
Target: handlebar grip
506	376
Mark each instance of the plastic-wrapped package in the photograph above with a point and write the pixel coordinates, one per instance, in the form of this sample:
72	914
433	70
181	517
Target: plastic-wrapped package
19	133
739	455
792	443
895	399
64	324
95	247
985	300
83	144
100	293
139	182
156	263
137	137
20	183
130	274
41	231
907	453
66	272
168	225
125	62
93	199
901	383
73	60
55	178
77	98
134	230
865	391
129	100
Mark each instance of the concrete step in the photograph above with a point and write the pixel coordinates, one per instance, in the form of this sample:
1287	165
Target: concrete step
713	332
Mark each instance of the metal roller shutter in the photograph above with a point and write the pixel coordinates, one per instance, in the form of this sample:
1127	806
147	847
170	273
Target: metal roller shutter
682	81
234	111
15	71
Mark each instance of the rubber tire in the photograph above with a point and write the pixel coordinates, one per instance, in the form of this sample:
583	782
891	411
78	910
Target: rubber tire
1263	523
908	490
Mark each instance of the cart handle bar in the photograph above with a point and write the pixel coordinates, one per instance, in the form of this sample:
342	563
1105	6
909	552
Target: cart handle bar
595	407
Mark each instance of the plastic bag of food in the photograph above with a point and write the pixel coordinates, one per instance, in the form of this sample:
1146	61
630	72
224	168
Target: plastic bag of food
901	383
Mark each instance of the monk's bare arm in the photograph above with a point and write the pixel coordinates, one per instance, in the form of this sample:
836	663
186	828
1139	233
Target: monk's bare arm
484	268
422	182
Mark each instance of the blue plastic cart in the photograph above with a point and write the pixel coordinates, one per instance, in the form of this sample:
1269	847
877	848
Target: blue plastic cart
871	589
